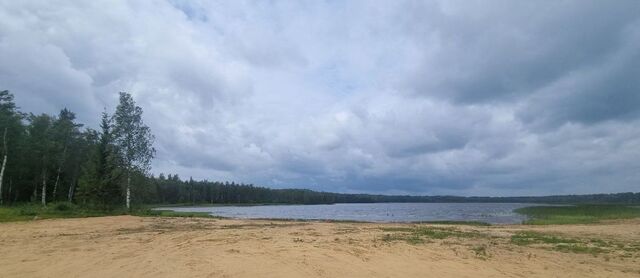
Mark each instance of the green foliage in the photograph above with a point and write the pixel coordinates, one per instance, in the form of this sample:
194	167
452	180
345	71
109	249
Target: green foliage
170	189
99	183
13	132
28	212
49	157
25	212
132	137
64	206
64	134
580	214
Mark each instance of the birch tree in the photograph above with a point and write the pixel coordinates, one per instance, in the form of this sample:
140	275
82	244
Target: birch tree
11	126
40	141
133	140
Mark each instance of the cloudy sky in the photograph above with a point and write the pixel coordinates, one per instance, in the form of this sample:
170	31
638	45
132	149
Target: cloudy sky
420	97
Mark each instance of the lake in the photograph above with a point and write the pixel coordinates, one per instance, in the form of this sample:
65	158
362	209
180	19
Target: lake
494	213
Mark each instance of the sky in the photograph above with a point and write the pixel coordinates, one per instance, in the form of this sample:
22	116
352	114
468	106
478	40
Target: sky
490	98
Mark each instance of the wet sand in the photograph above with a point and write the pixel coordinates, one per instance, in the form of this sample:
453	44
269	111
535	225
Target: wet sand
128	246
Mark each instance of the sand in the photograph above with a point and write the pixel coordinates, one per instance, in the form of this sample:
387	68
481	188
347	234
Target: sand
128	246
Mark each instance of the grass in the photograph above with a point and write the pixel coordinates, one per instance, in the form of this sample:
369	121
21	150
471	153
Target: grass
529	237
170	213
420	234
449	222
26	212
580	248
579	214
563	244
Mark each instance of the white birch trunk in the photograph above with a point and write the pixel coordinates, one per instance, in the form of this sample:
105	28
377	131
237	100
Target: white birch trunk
34	197
44	188
4	162
55	186
129	190
9	195
71	189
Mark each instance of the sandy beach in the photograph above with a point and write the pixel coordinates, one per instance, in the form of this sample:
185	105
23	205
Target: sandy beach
128	246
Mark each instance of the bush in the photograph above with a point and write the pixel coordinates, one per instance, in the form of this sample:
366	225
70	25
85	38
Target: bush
29	211
64	206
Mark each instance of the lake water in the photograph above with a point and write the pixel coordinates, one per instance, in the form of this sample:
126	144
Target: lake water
494	213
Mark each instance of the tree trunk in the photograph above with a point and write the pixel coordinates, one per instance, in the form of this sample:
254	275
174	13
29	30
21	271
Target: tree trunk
35	193
72	188
15	196
129	190
4	161
44	188
9	193
74	183
70	194
55	185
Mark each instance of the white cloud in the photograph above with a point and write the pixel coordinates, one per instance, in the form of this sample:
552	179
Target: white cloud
431	97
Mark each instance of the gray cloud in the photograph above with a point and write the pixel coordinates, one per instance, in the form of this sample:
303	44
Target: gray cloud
420	97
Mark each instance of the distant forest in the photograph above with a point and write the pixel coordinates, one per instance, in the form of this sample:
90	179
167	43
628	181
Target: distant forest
172	190
52	158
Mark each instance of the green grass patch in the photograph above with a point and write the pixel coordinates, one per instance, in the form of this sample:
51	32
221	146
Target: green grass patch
565	244
529	237
420	234
467	223
25	212
579	248
580	214
170	213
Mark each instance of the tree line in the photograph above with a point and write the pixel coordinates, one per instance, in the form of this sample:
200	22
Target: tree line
50	158
171	189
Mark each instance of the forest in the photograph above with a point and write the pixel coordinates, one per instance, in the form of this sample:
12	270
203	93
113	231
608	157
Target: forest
54	158
172	190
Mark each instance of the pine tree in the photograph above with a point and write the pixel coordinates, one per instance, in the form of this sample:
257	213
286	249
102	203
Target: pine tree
99	182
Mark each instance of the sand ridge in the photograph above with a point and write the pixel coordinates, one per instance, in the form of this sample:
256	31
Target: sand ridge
128	246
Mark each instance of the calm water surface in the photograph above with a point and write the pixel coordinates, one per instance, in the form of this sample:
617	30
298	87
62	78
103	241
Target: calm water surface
495	213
